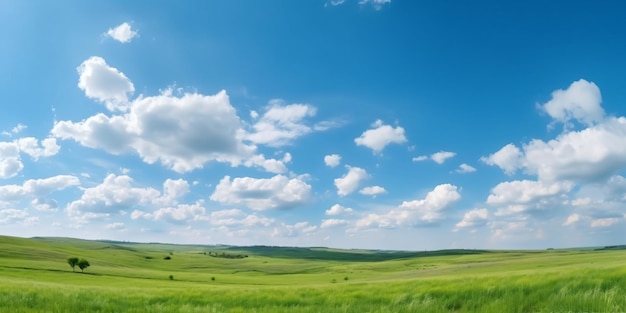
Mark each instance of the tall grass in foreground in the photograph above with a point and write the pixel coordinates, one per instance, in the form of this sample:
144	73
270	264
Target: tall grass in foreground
591	290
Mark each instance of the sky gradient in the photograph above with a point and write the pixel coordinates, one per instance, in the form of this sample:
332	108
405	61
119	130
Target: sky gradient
380	124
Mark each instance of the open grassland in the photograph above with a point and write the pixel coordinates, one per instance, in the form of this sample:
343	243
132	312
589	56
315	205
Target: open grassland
34	277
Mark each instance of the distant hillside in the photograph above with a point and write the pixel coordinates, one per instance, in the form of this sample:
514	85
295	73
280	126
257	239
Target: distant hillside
309	253
321	253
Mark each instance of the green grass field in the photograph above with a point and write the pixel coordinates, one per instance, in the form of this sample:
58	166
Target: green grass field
123	277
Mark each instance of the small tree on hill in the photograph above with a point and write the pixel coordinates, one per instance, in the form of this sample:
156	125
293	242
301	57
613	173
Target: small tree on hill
73	261
83	264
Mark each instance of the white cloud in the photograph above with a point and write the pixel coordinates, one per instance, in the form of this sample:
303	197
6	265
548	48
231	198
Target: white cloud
473	218
580	101
515	230
380	136
115	226
15	130
31	146
122	33
269	165
12	216
376	4
278	192
605	222
37	188
281	124
525	191
373	190
438	157
332	160
182	133
465	168
10	163
507	158
573	218
590	154
420	158
295	230
10	160
427	211
338	210
335	2
114	195
333	222
104	83
44	204
441	156
349	182
236	217
176	214
173	190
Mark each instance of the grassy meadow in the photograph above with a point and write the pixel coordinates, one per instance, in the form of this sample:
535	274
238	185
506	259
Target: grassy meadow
128	277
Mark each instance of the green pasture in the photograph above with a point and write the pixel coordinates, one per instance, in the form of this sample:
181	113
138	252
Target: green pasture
130	277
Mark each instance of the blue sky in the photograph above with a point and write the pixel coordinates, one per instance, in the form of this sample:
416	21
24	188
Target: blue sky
355	124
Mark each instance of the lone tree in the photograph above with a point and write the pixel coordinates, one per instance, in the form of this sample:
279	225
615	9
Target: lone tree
73	261
83	264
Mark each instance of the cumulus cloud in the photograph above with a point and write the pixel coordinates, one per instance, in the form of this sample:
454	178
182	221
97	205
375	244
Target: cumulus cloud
581	101
10	162
333	222
175	213
372	191
269	165
236	217
473	218
381	135
572	219
278	192
591	154
173	191
182	133
525	191
605	222
44	204
292	230
438	157
465	168
37	188
114	195
338	210
441	156
281	124
122	33
420	158
35	149
350	182
508	158
427	211
15	130
332	160
104	83
12	216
